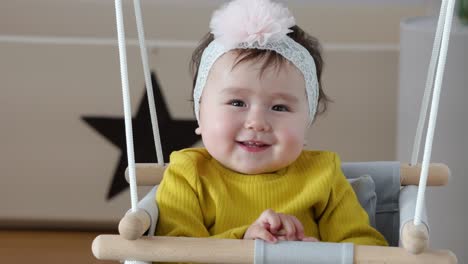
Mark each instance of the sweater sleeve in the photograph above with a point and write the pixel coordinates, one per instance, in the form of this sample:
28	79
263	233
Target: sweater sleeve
179	211
344	220
179	197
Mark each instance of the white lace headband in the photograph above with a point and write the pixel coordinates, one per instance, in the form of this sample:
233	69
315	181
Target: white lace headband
256	24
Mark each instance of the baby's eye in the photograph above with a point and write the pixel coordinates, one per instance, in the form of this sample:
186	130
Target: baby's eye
236	103
280	108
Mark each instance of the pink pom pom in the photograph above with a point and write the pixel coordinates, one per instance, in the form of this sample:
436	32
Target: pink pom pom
250	21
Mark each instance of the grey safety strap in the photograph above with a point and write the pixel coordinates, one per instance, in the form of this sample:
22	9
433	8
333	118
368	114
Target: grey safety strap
292	252
408	197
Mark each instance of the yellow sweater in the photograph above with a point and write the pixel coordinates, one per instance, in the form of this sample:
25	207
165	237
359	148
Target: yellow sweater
198	197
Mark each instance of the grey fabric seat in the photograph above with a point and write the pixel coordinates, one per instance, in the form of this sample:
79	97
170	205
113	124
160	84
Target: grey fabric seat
386	176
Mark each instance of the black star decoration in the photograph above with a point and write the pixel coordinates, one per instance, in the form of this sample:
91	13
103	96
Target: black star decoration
175	135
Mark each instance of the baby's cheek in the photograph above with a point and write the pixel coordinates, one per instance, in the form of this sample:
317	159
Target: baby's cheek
293	136
225	127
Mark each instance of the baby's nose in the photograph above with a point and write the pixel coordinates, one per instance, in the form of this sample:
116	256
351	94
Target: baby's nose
257	121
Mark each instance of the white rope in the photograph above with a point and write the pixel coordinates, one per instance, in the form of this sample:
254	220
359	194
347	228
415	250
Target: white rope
429	84
126	101
149	92
149	84
434	110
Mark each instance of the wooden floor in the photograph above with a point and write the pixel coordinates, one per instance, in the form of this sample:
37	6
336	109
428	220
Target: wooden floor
47	247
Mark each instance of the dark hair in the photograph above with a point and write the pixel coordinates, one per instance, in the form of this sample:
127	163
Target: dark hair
272	58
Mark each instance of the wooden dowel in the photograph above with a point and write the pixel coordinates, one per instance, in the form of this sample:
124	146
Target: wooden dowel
150	174
134	224
438	174
209	250
414	238
147	174
396	255
174	249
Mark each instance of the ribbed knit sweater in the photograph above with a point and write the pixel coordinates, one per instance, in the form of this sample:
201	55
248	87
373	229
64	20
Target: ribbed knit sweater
198	197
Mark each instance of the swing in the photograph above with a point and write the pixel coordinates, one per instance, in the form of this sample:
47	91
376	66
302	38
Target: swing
395	187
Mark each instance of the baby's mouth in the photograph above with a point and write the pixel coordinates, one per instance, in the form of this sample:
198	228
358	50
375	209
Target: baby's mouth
253	146
253	143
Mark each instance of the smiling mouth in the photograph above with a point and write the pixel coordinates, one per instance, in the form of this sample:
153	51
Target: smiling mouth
253	146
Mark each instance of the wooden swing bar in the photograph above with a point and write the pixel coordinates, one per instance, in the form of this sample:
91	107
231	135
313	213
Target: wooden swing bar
150	174
235	251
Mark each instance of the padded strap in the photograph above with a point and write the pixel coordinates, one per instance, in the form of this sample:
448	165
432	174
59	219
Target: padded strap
408	196
148	203
292	252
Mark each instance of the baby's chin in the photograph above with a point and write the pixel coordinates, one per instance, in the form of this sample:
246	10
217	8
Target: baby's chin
256	170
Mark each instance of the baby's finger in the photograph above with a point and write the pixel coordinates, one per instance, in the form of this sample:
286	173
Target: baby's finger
270	220
299	228
262	233
281	238
289	226
310	239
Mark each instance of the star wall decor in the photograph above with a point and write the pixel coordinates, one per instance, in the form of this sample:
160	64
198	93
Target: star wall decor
176	134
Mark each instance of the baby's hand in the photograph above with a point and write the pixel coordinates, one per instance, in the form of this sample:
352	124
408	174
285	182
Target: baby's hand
272	226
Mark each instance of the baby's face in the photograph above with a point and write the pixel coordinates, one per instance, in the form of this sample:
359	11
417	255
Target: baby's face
253	123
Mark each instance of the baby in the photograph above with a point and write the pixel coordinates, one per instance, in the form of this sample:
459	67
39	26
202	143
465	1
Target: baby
256	91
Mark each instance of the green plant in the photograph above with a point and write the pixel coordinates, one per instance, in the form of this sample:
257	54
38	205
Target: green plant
463	11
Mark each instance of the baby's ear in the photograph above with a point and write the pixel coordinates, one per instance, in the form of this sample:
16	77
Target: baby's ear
198	131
